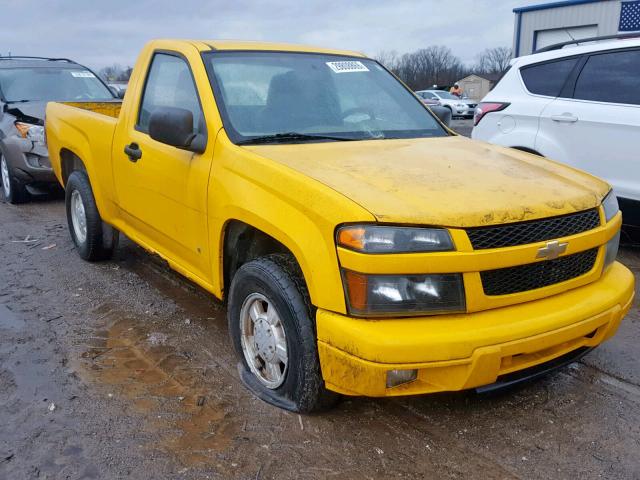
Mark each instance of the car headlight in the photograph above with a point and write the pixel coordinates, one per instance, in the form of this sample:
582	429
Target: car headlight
461	105
610	205
403	295
388	239
611	251
35	133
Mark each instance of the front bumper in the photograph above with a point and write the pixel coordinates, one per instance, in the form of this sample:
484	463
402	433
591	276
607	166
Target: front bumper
29	163
463	112
457	352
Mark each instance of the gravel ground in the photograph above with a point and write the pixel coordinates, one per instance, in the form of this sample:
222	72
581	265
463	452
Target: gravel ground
122	369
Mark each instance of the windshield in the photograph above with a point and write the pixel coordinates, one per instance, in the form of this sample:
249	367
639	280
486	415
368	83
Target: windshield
446	95
264	94
44	84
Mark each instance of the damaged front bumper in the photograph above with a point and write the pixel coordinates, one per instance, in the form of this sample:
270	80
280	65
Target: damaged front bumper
457	352
29	161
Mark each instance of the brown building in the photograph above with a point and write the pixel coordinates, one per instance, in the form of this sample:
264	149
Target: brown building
477	86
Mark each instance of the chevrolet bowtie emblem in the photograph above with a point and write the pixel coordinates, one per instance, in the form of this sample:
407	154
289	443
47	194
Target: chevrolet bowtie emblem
552	250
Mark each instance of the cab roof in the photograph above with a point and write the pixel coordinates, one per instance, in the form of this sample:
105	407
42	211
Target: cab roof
209	45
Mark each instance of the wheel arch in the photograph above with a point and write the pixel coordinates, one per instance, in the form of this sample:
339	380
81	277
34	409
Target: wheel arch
70	162
242	243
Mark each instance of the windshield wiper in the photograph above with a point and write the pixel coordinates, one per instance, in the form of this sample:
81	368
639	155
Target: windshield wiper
17	101
292	136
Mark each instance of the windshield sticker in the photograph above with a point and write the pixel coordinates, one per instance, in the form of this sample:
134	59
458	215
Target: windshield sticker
347	67
83	74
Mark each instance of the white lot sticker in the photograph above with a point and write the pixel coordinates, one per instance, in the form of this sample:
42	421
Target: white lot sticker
347	66
83	74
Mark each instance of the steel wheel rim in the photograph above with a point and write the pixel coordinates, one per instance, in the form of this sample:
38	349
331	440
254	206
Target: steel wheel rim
6	183
78	217
263	340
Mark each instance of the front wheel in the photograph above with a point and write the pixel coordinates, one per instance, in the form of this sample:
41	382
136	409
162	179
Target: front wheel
14	191
271	326
94	239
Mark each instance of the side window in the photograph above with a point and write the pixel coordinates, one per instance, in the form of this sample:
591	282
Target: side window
169	84
547	78
610	77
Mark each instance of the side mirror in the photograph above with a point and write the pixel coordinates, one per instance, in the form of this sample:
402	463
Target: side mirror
120	93
443	113
174	126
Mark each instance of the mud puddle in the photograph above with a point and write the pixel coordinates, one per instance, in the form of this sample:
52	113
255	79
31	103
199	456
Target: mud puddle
180	393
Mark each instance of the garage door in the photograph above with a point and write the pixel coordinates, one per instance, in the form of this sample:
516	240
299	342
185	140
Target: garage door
544	38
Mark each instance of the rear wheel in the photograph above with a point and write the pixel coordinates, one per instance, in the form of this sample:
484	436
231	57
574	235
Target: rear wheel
270	323
14	191
94	239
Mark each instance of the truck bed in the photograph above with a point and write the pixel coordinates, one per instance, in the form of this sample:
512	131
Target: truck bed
110	108
84	131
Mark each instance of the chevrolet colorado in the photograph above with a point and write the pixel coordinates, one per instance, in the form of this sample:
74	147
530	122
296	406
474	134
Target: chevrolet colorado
362	247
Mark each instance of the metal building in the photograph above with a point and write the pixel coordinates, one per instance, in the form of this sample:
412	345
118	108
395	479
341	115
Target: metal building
537	26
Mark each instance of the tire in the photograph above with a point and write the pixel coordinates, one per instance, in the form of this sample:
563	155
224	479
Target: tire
14	191
94	239
277	280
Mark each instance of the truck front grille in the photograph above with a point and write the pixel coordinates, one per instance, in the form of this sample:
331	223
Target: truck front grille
513	234
537	275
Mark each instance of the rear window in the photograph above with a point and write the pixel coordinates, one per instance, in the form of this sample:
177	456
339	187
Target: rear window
547	78
611	77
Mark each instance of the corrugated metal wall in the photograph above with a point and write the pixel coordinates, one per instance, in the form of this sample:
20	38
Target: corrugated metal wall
605	14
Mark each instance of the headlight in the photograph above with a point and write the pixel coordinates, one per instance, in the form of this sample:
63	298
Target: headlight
35	133
612	251
386	239
610	205
403	295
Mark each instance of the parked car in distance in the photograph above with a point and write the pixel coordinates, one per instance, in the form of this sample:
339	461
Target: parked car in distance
459	107
427	99
118	89
312	191
579	105
26	85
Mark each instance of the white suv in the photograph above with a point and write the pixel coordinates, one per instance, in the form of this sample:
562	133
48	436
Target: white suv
578	105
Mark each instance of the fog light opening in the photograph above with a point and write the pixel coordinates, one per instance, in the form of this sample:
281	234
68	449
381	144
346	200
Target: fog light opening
399	377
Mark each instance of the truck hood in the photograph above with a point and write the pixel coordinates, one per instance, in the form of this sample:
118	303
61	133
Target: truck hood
447	181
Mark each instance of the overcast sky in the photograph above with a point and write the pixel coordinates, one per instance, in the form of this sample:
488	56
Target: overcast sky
99	33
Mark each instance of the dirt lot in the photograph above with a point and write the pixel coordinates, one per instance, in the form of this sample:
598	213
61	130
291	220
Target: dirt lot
124	370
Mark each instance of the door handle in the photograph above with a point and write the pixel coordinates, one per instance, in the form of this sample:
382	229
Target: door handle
565	117
133	152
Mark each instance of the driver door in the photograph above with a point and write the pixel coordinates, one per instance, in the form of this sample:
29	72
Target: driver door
163	193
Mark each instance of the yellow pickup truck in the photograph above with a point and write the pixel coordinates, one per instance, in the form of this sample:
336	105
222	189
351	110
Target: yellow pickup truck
361	246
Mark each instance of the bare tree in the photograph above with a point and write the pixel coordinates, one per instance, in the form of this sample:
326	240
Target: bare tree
115	73
389	58
494	60
434	65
